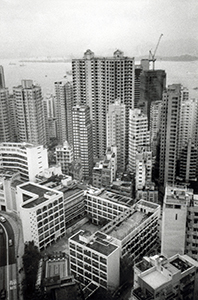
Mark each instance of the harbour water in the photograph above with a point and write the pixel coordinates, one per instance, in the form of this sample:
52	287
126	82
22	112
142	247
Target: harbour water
46	73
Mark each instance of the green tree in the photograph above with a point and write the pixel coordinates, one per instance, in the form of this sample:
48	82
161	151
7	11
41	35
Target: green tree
31	260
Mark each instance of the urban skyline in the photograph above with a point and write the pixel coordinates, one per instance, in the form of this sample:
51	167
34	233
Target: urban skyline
99	177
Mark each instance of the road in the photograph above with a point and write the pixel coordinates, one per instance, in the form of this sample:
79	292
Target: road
8	268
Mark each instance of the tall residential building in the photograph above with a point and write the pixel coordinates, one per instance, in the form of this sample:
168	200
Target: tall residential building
2	78
5	130
188	162
188	121
155	115
98	81
116	131
82	138
143	66
143	168
138	135
169	133
30	113
63	109
26	158
152	85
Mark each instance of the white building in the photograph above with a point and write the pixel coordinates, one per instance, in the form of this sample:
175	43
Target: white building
160	278
82	138
26	158
116	118
174	218
41	212
143	168
95	258
64	156
138	135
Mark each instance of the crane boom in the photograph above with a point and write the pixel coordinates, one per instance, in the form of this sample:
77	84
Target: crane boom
152	56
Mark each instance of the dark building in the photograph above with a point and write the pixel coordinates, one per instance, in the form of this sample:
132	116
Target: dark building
152	84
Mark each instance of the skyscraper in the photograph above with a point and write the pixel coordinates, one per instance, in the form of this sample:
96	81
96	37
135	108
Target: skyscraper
82	138
98	81
116	131
30	113
63	108
169	133
152	85
138	135
5	129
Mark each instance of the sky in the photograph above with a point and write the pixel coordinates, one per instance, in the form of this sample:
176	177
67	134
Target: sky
32	28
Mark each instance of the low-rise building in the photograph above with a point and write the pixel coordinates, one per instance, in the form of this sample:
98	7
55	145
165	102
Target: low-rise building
42	213
95	258
8	181
159	278
135	230
64	156
26	158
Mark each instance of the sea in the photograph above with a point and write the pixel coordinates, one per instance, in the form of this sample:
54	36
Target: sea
46	73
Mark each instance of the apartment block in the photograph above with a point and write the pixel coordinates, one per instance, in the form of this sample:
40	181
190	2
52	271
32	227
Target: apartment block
64	156
174	219
138	135
30	114
97	82
143	167
26	158
95	258
5	126
116	131
42	213
158	278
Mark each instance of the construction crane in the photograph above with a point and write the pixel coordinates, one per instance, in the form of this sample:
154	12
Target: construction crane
152	56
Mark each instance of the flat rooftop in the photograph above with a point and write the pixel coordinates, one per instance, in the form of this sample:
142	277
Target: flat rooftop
115	197
128	225
36	190
99	243
155	279
180	264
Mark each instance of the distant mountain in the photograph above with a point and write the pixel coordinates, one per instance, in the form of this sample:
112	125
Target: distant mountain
185	57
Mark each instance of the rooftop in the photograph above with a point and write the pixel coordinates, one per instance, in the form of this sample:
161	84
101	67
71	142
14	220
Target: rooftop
99	242
115	197
180	264
36	190
128	225
155	279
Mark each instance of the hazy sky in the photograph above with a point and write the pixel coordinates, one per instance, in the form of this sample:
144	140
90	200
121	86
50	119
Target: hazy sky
31	28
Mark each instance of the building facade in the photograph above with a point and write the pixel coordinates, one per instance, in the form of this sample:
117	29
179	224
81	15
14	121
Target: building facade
26	158
82	138
138	135
169	134
41	212
98	81
116	131
64	156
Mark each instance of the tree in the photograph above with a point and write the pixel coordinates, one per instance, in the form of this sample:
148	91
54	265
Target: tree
31	260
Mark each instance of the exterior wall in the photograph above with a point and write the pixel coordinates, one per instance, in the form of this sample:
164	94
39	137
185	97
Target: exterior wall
138	135
174	218
5	130
101	209
64	156
29	160
30	113
43	221
100	81
88	264
169	133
